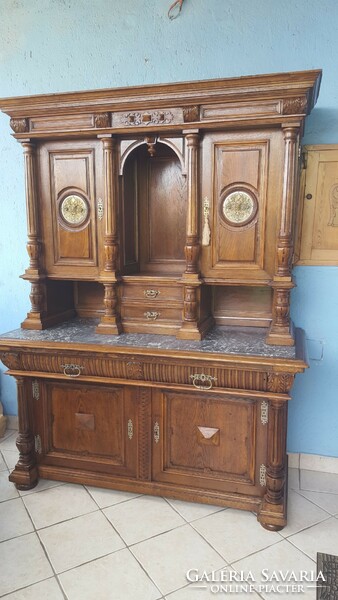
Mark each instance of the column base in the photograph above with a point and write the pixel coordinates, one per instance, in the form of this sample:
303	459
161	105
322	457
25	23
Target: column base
37	321
280	336
25	478
109	326
193	330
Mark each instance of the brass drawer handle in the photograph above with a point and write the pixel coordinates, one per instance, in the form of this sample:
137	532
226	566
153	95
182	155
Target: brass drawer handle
72	370
151	315
151	293
202	381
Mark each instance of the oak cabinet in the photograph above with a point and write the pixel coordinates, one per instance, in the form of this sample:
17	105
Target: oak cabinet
158	354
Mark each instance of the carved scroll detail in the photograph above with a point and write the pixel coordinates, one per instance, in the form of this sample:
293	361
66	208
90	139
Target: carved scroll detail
157	117
11	360
279	382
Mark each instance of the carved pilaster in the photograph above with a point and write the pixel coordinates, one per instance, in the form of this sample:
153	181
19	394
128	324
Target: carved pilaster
281	329
110	322
25	474
192	241
144	423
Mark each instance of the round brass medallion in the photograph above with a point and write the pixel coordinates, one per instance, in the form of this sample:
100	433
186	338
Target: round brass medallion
74	209
238	208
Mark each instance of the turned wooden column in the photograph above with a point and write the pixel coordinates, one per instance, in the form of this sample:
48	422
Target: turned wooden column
25	475
110	323
273	513
33	273
191	278
281	328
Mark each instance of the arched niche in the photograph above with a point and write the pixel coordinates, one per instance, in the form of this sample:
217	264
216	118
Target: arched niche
153	210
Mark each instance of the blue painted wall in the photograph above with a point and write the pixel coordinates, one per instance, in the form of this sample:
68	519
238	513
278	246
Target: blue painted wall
63	45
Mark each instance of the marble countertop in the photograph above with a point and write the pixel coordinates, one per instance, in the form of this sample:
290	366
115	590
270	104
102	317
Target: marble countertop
220	340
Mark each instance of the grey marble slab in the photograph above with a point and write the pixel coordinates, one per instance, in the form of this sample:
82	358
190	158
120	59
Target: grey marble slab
220	340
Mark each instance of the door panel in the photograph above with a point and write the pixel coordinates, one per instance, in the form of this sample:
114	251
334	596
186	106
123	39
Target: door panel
208	441
90	427
70	186
236	169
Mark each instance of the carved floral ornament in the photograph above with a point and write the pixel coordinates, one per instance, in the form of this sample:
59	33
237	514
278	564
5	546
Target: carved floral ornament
295	106
19	125
157	117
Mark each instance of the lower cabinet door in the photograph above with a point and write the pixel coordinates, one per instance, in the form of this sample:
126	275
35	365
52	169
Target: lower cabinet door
92	427
209	441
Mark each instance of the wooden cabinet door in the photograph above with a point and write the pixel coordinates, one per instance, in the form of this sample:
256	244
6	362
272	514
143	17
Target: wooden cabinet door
241	180
71	186
208	441
90	427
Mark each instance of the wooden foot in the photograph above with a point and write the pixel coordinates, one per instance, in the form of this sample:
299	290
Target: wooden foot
24	479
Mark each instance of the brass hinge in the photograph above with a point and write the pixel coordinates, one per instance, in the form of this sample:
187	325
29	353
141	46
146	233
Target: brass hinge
38	444
303	158
262	475
264	412
130	429
100	209
35	390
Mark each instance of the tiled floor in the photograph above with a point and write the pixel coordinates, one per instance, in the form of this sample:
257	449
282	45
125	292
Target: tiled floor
62	541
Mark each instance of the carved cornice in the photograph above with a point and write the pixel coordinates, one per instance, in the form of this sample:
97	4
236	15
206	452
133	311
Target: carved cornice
19	125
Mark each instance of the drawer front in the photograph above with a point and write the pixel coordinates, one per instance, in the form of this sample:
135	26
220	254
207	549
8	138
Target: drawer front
157	369
150	313
154	292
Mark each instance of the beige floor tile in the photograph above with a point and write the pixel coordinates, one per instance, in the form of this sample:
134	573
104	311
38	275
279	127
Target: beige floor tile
82	539
301	514
8	433
105	498
43	484
3	466
48	589
207	590
293	479
11	458
9	442
169	556
191	511
328	502
316	481
117	577
235	533
7	489
142	518
14	519
322	537
23	562
58	504
279	557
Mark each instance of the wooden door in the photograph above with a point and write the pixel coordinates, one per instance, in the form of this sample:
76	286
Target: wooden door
71	192
241	182
209	441
89	427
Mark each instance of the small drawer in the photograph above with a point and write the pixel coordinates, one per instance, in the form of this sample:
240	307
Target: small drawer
153	292
151	313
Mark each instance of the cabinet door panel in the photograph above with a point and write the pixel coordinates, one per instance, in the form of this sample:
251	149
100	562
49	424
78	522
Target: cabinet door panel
208	441
71	169
242	237
91	427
